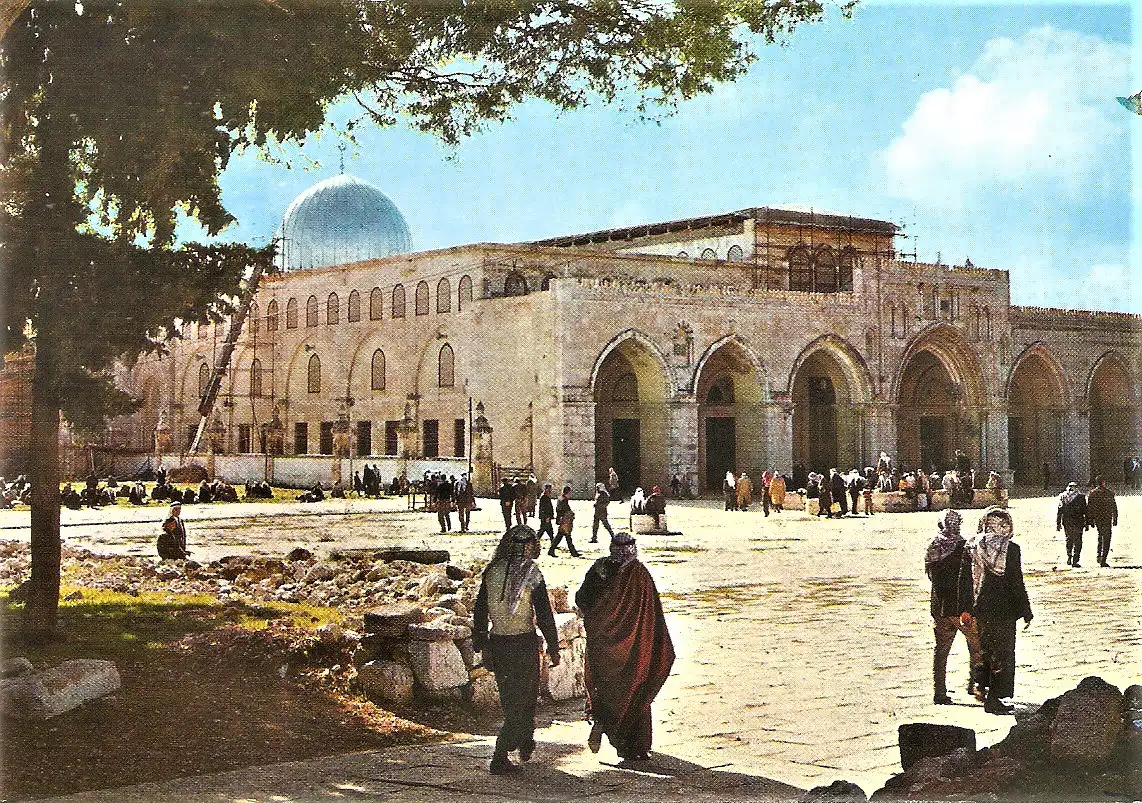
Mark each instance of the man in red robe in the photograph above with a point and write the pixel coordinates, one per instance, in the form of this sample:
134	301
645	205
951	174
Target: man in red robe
629	652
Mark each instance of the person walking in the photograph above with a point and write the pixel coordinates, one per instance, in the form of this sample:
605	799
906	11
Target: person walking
522	511
613	486
840	489
777	491
629	651
993	596
465	502
602	499
511	602
547	521
729	488
444	503
1102	512
507	500
172	539
942	564
825	497
744	492
564	521
1071	518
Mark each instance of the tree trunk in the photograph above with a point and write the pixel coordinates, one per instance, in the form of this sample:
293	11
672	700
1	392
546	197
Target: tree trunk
43	598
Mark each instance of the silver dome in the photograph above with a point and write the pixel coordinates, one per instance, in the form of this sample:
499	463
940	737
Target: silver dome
342	219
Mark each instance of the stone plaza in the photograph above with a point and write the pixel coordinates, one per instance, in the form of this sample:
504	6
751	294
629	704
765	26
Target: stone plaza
802	644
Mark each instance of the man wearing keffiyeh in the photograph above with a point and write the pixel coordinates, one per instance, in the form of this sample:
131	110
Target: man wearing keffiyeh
512	600
942	563
992	594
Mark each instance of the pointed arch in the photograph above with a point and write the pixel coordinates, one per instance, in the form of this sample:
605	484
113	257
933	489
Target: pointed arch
377	375
421	301
1039	351
291	314
651	348
272	316
849	359
354	312
253	317
313	375
203	379
332	310
743	347
464	294
443	295
446	367
398	301
255	378
311	312
376	304
947	344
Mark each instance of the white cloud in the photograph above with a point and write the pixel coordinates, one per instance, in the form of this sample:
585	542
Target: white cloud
1037	108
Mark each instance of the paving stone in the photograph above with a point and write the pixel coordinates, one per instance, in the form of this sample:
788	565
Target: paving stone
47	694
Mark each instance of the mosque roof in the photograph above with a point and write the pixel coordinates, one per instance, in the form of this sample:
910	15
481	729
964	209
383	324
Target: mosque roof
766	214
341	220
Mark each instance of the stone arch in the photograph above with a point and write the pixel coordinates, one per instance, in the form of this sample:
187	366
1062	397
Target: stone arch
631	387
828	386
353	314
1036	396
1112	399
731	386
939	391
464	293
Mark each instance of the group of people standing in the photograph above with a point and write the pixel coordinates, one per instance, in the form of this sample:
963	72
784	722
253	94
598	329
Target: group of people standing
445	494
739	491
629	650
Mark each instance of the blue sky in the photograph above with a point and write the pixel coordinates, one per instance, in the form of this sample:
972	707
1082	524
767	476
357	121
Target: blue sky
990	132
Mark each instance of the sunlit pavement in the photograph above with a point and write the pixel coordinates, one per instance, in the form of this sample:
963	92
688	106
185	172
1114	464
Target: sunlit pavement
802	644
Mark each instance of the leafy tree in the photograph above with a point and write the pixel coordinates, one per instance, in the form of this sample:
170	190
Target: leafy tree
119	115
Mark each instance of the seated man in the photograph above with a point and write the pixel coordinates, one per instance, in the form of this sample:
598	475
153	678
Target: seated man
656	506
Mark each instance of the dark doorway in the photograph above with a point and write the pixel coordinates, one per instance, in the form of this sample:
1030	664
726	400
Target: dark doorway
1015	448
721	455
432	437
822	423
364	438
933	443
625	452
326	438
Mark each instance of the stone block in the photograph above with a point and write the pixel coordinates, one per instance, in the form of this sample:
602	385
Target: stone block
452	603
924	740
566	681
793	501
438	630
836	792
894	502
569	627
560	599
438	666
392	620
939	500
468	653
15	667
60	689
812	506
1088	723
641	524
387	680
484	694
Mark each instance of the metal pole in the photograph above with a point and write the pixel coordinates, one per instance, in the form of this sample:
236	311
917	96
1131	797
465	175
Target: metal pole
469	440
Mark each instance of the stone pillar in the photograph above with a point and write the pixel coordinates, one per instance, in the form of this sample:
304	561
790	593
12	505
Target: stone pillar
578	456
406	433
163	439
216	435
682	441
1076	446
879	432
779	430
993	446
482	454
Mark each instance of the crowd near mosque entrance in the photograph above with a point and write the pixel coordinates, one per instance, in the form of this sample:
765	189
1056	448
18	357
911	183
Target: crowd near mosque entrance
731	432
827	396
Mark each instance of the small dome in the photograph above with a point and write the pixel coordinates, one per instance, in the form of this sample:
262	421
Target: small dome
342	219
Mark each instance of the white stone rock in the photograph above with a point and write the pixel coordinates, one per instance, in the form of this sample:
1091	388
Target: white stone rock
565	682
55	691
485	693
438	666
319	572
388	680
569	626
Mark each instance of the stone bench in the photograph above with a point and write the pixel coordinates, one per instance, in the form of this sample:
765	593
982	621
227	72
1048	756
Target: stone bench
640	524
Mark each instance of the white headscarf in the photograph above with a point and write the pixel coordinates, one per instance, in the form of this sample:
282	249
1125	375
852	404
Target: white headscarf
521	573
1071	494
989	548
730	481
638	499
946	541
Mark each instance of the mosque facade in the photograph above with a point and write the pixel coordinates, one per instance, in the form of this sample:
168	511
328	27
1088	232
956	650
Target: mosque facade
756	339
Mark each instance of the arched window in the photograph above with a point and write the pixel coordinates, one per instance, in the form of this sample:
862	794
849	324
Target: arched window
978	318
376	304
709	253
446	367
378	375
311	312
845	266
421	300
203	378
272	316
465	292
291	314
398	301
354	307
515	284
986	323
903	320
333	310
252	317
735	254
721	391
892	318
314	374
800	272
825	270
444	296
683	255
625	388
255	378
